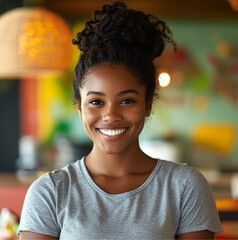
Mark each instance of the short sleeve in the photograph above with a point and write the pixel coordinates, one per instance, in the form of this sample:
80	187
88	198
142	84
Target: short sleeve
198	207
39	209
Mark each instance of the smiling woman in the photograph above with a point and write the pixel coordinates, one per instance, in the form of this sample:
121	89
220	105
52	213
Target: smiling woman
117	191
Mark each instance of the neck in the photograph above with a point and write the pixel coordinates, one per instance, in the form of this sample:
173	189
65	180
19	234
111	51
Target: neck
132	160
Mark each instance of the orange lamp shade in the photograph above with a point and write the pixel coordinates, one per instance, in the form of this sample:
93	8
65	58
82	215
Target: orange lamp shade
234	4
33	41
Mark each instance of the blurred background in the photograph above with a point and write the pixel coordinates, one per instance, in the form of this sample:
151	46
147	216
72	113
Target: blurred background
195	119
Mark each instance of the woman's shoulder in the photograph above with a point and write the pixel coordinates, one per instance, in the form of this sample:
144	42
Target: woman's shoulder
183	181
65	175
174	167
181	172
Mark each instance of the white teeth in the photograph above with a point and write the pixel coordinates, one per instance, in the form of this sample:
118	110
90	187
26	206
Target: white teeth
112	132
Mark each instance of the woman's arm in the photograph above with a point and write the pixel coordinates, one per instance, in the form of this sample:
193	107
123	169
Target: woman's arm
25	235
197	235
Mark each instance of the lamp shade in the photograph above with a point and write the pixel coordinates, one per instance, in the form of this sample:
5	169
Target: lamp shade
234	4
33	41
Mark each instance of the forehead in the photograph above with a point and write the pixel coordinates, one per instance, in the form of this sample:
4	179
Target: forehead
111	78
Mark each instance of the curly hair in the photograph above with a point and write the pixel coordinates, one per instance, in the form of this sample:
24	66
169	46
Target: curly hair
118	35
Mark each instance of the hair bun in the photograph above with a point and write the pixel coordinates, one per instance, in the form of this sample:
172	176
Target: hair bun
117	25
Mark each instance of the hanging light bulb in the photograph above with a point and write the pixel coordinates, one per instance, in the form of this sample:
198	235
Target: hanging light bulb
164	79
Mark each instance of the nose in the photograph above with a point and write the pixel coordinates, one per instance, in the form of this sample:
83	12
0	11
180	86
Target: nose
111	114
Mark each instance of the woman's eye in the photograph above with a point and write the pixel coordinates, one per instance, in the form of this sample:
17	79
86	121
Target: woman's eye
127	101
96	102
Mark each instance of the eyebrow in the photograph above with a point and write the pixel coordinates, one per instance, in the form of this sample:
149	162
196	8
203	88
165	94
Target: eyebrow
95	93
128	91
119	94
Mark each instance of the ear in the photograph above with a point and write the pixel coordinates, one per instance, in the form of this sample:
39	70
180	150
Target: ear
79	109
148	108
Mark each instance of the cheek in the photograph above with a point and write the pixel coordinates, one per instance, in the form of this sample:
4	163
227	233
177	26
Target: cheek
89	117
137	114
136	117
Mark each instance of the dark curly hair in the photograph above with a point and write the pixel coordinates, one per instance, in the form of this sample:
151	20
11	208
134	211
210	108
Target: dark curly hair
118	35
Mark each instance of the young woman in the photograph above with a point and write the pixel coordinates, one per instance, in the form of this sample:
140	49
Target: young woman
117	191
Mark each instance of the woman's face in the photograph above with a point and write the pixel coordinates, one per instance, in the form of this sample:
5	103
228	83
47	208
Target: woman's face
113	108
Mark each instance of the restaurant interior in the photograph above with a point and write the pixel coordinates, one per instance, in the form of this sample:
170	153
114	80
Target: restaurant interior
194	120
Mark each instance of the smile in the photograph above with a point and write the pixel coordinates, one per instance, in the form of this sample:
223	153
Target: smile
112	132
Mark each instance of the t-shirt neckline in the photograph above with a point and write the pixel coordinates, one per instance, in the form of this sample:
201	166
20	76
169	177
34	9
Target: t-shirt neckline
125	194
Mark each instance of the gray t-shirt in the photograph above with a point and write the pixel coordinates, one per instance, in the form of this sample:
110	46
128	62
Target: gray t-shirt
67	204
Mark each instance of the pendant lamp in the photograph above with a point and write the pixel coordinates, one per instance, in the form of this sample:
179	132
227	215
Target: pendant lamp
33	41
234	4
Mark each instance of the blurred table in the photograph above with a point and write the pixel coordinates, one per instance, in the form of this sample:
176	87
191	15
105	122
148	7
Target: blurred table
13	190
227	207
228	212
